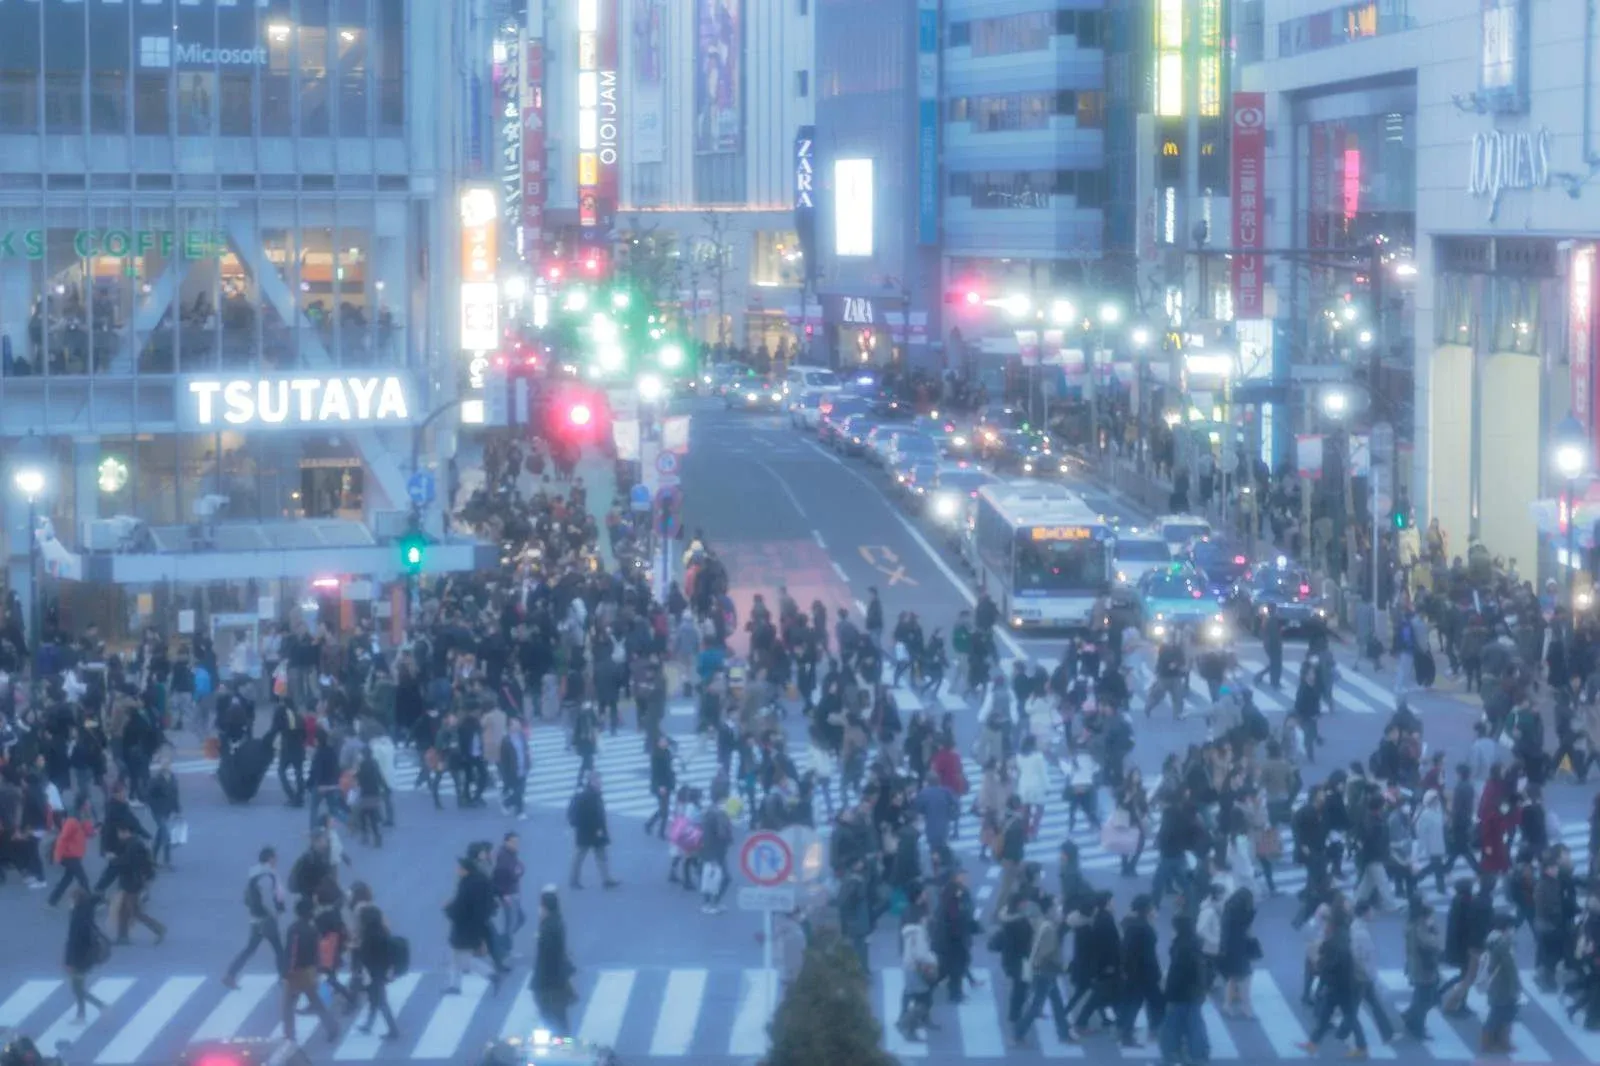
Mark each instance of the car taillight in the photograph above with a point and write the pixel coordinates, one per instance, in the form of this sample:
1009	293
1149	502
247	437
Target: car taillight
1238	560
1305	590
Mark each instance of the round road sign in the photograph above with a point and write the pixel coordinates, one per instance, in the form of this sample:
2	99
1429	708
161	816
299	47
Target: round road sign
766	859
667	463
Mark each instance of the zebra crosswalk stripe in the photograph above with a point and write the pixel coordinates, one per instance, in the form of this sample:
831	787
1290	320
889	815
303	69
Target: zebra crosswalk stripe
679	1013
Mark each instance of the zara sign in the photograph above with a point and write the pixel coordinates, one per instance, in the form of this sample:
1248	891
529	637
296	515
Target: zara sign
296	401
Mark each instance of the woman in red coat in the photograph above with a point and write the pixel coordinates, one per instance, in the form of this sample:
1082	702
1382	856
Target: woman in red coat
1497	828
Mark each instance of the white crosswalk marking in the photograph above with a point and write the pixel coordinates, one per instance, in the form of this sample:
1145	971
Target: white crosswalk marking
1376	1046
523	1019
1222	1045
1527	1048
608	1004
757	997
229	1016
893	987
1278	1020
1446	1044
363	1047
66	1028
449	1022
979	1018
1587	1042
21	1004
680	1013
130	1043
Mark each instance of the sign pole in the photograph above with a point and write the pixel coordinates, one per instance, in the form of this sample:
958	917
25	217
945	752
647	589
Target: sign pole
766	964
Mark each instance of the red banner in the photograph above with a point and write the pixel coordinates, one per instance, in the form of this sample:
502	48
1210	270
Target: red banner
534	192
1249	172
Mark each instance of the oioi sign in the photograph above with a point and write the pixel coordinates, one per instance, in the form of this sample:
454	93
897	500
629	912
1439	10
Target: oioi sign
296	400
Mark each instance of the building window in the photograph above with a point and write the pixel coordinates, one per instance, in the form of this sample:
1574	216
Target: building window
959	35
389	66
155	53
313	49
776	259
108	69
1009	34
1091	109
802	83
352	45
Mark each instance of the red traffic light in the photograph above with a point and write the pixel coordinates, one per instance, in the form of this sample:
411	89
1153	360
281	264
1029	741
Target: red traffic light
973	297
580	415
591	265
553	272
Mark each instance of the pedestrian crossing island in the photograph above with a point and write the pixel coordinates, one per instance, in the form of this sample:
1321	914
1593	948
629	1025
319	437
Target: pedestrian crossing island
715	1015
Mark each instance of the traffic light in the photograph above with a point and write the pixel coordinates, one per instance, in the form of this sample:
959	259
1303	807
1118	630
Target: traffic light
553	272
593	263
1400	519
413	550
972	298
579	415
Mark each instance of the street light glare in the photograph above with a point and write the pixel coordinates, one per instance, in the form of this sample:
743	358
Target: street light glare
1349	313
1110	314
29	481
1570	460
1141	337
672	357
1017	305
650	388
1335	403
1062	312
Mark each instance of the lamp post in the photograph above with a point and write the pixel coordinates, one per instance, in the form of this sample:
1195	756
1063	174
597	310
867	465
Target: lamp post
1572	462
30	481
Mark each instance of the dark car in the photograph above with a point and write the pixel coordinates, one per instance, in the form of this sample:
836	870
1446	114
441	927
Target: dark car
754	394
853	433
835	409
1289	590
1226	566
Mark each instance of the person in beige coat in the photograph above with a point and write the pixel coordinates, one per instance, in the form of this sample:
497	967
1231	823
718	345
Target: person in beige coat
494	731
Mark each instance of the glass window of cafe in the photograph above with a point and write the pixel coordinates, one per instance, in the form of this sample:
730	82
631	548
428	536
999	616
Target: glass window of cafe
191	288
203	67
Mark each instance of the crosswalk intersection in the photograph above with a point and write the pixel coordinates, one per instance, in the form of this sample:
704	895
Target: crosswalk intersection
708	1014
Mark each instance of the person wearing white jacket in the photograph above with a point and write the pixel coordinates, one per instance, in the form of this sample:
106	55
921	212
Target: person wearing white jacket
1033	783
921	967
1208	927
1432	850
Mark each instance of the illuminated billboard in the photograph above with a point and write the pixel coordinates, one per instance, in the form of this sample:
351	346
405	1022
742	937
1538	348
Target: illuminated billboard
480	295
852	208
719	81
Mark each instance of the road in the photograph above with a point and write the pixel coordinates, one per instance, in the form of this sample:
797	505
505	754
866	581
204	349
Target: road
659	979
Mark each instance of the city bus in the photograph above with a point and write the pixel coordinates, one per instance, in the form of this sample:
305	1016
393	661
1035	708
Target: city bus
1041	552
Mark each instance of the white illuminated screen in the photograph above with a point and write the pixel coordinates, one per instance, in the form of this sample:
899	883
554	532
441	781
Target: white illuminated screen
852	207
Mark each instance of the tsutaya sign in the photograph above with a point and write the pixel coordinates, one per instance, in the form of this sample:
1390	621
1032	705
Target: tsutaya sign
1503	161
324	400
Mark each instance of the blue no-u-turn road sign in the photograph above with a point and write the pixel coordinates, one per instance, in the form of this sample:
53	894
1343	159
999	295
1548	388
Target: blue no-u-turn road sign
639	497
765	859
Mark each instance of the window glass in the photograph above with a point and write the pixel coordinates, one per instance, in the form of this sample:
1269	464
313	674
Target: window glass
277	109
197	79
108	68
313	57
352	48
153	59
1028	32
777	259
390	66
236	32
19	67
65	54
352	325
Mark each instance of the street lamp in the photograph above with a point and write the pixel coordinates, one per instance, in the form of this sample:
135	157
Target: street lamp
30	481
1572	462
1110	314
1335	403
1140	337
1062	312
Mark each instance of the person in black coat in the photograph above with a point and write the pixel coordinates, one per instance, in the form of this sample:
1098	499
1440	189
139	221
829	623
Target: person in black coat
1141	972
84	948
587	816
471	915
663	783
290	733
1183	1027
374	954
1103	965
552	967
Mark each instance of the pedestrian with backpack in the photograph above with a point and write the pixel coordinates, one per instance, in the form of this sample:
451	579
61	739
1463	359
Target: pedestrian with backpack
263	902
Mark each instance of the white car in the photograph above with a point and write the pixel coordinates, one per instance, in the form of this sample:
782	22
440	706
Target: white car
806	412
1137	554
800	380
1178	530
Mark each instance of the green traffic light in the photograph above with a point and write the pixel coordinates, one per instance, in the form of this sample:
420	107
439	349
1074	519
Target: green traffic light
412	550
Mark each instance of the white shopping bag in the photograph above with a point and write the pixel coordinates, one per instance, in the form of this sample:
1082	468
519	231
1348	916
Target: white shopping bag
178	831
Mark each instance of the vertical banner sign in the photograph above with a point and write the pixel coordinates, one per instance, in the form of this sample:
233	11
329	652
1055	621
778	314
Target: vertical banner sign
648	106
588	114
805	196
1249	169
610	129
1580	332
533	183
509	132
927	122
719	77
480	295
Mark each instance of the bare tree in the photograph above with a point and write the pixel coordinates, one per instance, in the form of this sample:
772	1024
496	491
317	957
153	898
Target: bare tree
712	252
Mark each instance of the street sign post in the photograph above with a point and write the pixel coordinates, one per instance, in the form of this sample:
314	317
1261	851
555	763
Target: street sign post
1382	498
666	469
767	861
639	497
420	487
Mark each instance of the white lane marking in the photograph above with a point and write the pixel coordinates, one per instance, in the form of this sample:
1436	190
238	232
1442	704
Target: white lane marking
608	1003
757	992
450	1020
784	485
224	1022
981	1035
816	535
135	1037
523	1019
933	555
1278	1020
680	1014
364	1047
1222	1045
840	571
861	608
24	1001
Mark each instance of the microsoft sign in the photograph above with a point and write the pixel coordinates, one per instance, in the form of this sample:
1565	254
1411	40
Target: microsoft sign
163	52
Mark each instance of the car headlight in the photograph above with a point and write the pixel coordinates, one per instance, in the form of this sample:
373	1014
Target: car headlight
919	490
750	397
1216	631
1158	631
1122	576
1063	466
1027	468
1320	612
1263	611
946	507
1583	601
959	442
777	397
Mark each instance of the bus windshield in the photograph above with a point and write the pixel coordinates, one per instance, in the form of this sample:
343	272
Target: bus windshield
1045	567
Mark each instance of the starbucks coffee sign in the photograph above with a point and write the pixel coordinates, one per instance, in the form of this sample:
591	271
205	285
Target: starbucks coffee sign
298	400
116	243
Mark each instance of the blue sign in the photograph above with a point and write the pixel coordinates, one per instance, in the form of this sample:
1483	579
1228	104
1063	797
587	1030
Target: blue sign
419	487
639	498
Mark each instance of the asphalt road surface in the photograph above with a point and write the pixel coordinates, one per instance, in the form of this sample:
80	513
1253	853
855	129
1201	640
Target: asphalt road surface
659	979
